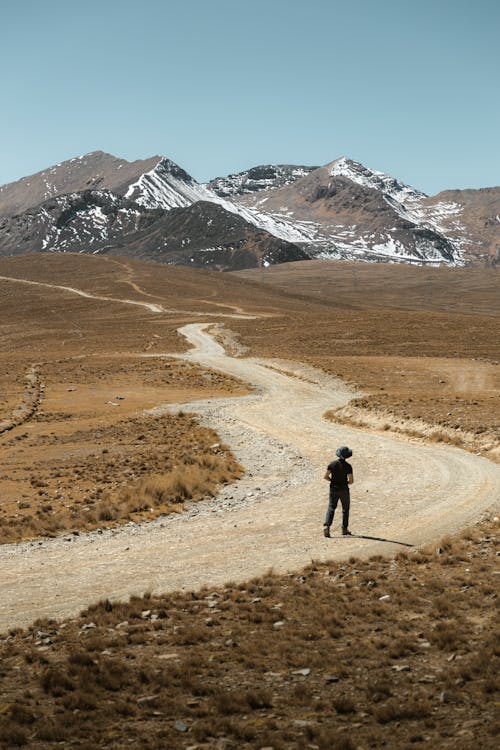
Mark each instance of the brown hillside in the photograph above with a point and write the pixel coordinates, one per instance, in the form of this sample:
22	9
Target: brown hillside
96	170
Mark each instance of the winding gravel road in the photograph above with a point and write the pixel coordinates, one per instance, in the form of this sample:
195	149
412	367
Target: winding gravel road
404	494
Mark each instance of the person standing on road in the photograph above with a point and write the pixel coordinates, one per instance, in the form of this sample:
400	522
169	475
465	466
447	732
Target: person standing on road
339	474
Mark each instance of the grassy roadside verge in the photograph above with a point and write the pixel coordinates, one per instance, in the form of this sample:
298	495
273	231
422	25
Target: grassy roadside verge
363	654
82	451
133	470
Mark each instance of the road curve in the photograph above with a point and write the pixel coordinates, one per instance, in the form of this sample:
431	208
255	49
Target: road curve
404	494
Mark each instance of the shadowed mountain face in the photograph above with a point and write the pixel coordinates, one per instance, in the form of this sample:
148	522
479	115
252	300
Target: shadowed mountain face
269	214
202	234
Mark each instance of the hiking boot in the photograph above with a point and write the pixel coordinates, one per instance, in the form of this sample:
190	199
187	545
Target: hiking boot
326	531
346	532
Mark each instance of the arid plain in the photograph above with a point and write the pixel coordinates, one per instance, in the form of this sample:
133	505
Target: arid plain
346	654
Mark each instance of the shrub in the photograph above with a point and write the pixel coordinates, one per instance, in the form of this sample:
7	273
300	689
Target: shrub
51	731
344	705
56	682
12	735
395	710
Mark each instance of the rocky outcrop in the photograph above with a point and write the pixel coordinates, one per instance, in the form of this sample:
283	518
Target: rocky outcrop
264	177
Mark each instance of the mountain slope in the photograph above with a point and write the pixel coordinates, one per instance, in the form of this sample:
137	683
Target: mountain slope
154	183
470	218
352	212
93	171
202	234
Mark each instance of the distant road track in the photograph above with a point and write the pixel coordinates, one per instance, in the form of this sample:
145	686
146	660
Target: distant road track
154	308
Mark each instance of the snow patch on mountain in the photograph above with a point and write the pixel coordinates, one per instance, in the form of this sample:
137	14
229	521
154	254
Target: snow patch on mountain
409	204
362	249
441	216
275	224
167	186
370	178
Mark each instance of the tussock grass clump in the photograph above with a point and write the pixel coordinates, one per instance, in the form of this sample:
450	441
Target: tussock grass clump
197	476
394	710
11	735
240	701
55	681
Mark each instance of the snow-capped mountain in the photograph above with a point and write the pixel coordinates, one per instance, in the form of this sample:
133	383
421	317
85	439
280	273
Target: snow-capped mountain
167	186
352	212
273	213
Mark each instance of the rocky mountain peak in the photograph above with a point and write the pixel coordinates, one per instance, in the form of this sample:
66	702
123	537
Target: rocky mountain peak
166	166
259	178
371	178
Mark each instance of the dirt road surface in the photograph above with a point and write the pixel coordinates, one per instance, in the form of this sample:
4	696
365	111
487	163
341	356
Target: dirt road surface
404	494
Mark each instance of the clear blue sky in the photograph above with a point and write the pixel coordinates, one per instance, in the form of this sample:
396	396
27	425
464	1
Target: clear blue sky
407	87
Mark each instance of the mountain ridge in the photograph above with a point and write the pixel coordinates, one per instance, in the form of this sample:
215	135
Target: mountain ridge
342	210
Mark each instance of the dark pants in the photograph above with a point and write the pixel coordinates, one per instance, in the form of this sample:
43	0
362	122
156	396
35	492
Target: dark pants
337	494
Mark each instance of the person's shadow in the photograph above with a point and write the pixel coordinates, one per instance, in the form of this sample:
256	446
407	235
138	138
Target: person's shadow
374	539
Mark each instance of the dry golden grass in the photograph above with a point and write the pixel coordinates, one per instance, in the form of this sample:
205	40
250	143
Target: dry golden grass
134	469
344	669
77	450
367	322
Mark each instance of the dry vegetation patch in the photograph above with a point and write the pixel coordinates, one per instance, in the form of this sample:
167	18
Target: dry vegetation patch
12	387
89	456
27	401
371	654
335	315
388	286
455	401
400	366
135	469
